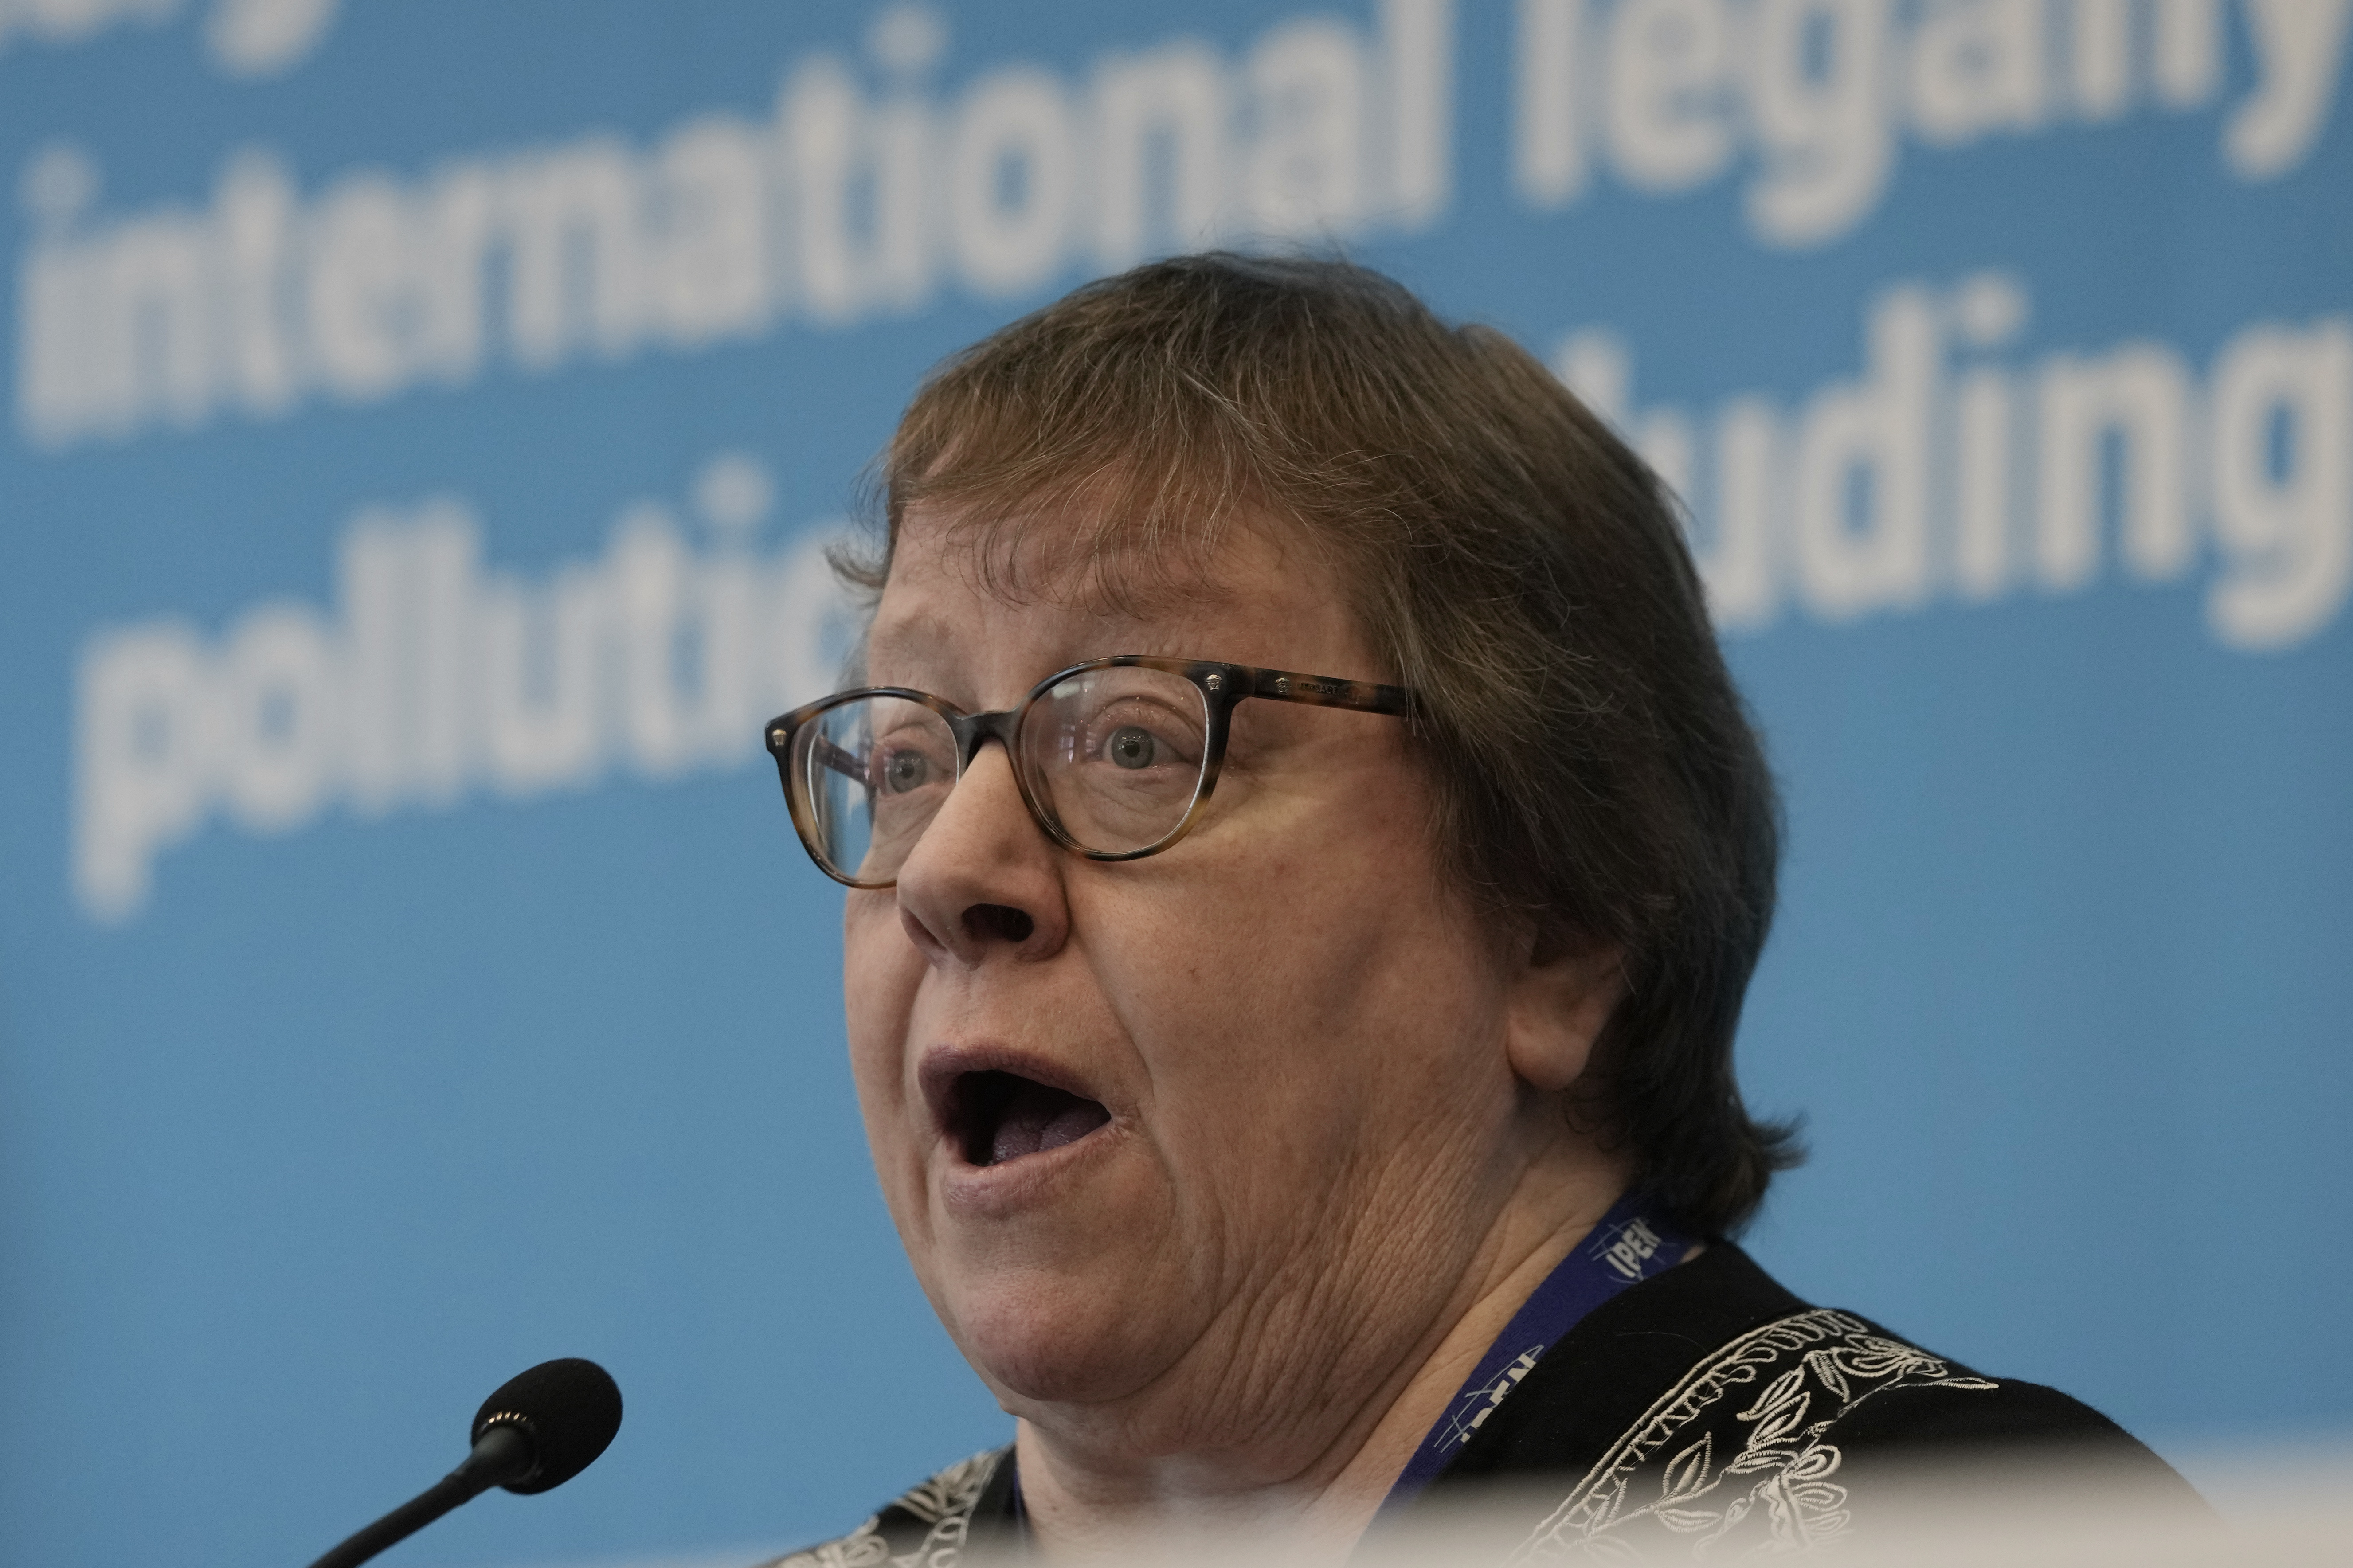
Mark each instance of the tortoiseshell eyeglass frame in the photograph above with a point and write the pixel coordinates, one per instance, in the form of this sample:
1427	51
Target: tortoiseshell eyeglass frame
1221	686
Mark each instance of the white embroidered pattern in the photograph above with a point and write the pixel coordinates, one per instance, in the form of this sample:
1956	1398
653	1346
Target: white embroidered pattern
1776	1495
943	1504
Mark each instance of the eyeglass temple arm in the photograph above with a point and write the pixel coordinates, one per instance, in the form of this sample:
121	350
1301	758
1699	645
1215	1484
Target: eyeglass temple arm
845	762
1326	692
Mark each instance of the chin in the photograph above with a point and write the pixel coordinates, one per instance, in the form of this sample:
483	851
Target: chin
1041	1338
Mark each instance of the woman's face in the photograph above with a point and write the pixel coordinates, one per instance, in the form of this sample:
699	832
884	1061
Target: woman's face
1253	1106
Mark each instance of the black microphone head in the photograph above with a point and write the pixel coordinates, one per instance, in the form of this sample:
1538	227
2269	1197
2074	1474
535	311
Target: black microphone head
570	1409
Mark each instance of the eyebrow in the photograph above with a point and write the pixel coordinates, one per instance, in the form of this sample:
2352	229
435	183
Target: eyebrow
921	633
933	671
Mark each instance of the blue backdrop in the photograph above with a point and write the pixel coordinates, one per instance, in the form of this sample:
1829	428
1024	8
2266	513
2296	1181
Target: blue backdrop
424	422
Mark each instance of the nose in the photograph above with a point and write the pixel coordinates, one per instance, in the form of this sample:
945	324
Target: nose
984	881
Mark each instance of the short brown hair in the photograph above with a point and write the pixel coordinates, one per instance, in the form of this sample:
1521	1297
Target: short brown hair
1515	563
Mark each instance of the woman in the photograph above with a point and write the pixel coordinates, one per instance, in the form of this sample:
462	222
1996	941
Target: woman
1307	855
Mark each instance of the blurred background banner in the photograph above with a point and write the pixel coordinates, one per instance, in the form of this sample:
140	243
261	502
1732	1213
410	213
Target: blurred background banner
424	423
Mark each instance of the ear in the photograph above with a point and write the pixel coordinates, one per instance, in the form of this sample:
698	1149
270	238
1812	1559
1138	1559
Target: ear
1560	999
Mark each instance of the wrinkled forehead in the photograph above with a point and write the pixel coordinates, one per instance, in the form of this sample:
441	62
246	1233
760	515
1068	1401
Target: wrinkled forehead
980	608
1096	562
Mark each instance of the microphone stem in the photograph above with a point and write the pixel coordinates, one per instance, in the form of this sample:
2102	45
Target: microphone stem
505	1454
404	1522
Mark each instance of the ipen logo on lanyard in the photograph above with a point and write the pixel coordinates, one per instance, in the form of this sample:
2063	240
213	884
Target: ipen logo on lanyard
1630	1250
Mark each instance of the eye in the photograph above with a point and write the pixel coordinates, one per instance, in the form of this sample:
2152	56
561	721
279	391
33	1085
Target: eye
905	769
1130	746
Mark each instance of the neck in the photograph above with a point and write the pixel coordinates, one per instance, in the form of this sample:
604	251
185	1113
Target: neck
1309	1494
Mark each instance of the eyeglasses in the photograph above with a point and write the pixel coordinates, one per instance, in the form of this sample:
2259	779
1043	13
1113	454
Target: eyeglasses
1114	757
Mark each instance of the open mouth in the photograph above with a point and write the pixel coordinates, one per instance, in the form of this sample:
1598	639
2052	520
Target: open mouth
1000	1116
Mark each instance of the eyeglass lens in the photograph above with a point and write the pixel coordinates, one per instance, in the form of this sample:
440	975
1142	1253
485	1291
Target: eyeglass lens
1113	757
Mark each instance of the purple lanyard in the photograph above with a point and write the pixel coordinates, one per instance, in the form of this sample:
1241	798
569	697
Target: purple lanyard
1627	1247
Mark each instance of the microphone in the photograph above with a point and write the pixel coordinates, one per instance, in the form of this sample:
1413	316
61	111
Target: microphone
540	1428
